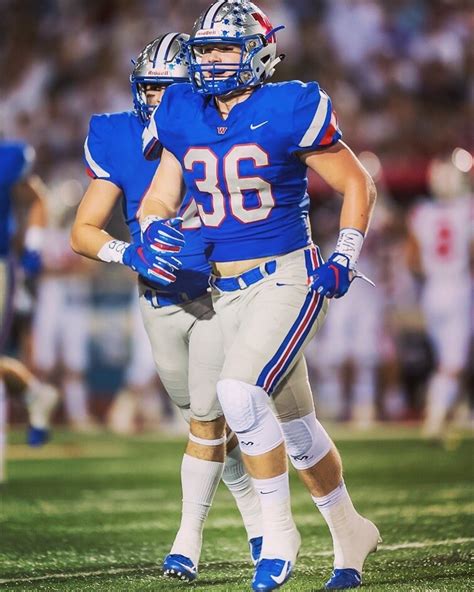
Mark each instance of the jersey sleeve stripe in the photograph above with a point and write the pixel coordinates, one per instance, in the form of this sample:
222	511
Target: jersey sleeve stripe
151	131
150	143
331	131
317	123
93	165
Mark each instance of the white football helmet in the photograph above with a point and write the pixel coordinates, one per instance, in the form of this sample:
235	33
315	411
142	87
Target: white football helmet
162	62
233	22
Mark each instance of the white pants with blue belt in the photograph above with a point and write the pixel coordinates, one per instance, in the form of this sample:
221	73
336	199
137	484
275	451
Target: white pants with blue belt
267	325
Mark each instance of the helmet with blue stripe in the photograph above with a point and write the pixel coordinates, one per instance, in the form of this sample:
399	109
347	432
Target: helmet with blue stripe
237	23
162	62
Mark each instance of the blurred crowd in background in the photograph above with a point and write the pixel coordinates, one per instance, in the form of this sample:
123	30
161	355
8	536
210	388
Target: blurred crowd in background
397	72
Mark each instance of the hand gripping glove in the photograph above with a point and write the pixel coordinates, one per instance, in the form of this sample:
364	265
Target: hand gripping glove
335	276
157	268
162	235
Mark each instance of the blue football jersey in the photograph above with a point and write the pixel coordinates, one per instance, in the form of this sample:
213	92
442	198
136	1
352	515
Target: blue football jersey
113	152
244	173
16	159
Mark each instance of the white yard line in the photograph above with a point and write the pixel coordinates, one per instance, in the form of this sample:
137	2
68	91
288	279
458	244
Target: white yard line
138	569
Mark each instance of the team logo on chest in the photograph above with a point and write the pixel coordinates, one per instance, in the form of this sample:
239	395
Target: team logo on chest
221	130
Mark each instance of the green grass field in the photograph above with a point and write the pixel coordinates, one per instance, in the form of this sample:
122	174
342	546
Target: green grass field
99	513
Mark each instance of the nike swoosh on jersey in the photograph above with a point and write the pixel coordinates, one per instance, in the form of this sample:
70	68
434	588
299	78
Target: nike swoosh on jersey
284	570
254	127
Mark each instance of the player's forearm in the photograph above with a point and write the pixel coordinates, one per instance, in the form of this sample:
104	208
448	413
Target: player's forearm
31	192
360	195
359	200
37	215
89	241
35	233
154	205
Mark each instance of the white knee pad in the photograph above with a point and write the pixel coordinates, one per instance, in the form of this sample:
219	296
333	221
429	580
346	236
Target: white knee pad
307	442
248	414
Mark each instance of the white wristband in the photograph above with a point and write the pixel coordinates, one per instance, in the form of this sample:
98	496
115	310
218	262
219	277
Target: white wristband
34	238
112	252
349	244
147	221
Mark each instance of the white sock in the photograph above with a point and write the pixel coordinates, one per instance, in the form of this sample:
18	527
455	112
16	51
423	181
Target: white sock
280	538
241	487
75	400
40	398
3	429
344	523
199	481
442	393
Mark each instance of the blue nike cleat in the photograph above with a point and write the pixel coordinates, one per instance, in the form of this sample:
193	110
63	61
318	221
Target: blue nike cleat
255	546
342	579
180	567
270	574
37	436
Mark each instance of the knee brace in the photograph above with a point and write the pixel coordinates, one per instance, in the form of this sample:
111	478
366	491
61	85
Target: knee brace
248	414
307	442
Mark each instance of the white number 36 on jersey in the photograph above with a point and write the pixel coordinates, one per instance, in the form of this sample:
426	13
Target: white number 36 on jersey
234	184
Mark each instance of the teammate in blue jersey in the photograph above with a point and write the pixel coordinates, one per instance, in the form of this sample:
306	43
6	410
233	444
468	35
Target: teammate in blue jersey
179	318
19	186
242	149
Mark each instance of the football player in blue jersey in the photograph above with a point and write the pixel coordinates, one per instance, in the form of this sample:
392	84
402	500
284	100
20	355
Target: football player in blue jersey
179	317
19	186
242	149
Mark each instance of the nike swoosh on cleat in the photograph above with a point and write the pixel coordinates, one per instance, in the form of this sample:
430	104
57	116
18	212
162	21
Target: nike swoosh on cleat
284	571
254	127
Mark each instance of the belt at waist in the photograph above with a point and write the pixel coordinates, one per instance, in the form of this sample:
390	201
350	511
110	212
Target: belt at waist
246	279
252	276
159	299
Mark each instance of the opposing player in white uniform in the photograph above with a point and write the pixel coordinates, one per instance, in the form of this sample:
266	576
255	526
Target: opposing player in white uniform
355	333
439	247
242	149
181	324
352	334
61	324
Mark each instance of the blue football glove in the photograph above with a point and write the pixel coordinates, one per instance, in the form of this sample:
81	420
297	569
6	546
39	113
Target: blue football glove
334	277
163	236
31	262
157	268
